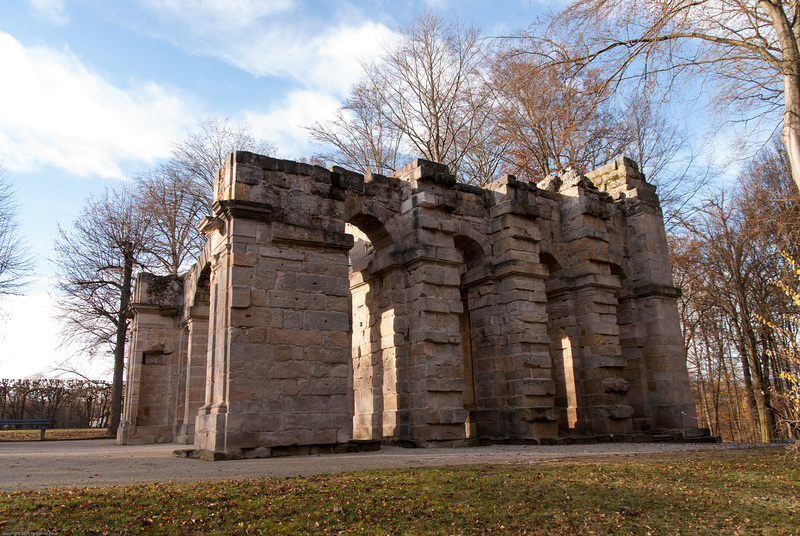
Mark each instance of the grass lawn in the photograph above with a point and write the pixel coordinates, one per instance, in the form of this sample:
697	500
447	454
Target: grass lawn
57	434
744	492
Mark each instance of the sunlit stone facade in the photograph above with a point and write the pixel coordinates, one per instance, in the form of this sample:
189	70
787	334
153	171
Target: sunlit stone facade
329	307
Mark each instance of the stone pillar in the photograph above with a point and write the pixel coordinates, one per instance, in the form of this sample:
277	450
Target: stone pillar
655	346
279	346
433	305
594	293
210	423
437	383
521	312
603	385
196	352
180	377
153	362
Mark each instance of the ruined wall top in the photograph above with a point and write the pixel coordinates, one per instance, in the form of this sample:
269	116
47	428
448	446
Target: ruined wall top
304	202
243	178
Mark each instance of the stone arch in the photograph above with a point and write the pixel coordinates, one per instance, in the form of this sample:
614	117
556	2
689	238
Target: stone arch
564	335
617	270
373	220
473	253
473	257
197	278
476	241
377	350
373	228
550	261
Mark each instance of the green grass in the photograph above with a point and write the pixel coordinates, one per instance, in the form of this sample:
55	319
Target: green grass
746	492
57	434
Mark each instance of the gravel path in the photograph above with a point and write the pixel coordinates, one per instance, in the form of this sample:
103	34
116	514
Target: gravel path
49	464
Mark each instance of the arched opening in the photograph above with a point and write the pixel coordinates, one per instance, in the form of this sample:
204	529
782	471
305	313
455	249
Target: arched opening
196	326
563	332
372	229
473	258
376	345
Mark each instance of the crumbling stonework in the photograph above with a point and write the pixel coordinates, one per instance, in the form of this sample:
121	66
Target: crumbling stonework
328	307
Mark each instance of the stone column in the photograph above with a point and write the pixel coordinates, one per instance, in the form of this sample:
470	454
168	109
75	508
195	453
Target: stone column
594	290
181	376
436	385
433	305
655	346
521	311
279	346
210	423
152	368
486	349
196	352
603	385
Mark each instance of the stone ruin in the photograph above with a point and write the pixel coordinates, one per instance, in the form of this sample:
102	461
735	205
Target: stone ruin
329	307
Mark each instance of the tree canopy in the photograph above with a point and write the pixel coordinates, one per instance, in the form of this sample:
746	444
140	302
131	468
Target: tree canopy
745	52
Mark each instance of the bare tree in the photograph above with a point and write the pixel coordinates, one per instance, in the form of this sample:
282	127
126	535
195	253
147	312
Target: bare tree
173	211
95	263
361	138
554	117
732	264
747	50
425	97
665	153
203	152
15	260
178	193
770	195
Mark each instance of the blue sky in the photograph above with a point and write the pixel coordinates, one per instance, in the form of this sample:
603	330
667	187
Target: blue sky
94	91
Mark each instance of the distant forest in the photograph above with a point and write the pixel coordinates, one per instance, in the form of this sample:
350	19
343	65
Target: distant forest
67	403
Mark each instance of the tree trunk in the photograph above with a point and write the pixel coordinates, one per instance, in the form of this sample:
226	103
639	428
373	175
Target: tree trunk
119	344
790	70
754	377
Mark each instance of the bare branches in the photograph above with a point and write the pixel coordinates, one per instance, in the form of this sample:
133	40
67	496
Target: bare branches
553	117
739	325
91	257
425	97
748	50
202	153
146	225
173	206
15	260
363	140
96	260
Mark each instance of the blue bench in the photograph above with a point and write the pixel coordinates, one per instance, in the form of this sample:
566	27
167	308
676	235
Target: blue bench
35	423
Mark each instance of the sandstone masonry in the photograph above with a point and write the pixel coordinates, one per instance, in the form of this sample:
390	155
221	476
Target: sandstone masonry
328	307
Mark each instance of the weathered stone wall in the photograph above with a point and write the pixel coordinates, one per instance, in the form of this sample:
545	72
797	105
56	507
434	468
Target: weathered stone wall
154	362
415	309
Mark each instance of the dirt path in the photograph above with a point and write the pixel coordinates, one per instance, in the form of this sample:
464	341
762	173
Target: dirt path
49	464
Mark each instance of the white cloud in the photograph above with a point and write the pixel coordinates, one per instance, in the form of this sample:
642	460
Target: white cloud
286	123
225	15
328	61
321	47
55	111
50	10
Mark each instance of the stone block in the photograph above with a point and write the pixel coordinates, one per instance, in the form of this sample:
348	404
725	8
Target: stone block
326	321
